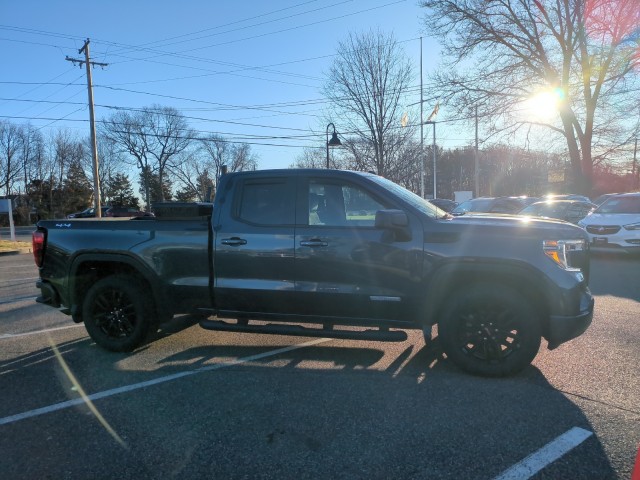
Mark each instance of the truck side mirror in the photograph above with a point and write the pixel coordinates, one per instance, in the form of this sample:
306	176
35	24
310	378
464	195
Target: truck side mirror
395	221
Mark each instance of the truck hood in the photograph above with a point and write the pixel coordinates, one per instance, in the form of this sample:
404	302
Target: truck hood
518	225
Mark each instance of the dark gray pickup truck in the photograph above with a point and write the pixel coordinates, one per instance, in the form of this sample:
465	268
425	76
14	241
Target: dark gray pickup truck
324	253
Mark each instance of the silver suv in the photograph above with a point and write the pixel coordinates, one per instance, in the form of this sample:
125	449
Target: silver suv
615	223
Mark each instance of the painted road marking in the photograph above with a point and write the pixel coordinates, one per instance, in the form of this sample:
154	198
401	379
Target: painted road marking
548	454
136	386
37	332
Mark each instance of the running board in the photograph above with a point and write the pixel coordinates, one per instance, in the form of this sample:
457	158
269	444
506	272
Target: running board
299	330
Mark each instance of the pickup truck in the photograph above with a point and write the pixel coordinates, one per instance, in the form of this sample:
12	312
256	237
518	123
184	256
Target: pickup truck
328	253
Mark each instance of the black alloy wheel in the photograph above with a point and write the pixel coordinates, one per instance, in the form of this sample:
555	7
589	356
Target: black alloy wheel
490	331
117	313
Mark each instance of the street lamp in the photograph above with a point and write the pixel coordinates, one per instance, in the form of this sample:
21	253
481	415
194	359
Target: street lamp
334	142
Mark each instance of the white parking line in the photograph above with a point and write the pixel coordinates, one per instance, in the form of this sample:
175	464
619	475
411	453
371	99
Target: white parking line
136	386
37	332
548	454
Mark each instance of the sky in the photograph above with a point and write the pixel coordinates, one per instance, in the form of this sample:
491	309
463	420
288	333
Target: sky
251	71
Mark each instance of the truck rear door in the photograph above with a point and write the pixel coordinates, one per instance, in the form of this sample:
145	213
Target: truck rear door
254	246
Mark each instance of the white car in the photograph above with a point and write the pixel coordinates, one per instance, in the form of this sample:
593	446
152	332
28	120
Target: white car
615	223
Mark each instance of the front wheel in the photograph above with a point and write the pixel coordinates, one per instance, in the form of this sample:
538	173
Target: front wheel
490	330
117	313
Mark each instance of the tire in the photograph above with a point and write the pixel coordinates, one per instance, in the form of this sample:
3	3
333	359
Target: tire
427	335
117	313
490	330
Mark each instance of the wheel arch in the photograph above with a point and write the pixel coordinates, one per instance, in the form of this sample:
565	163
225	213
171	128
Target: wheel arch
86	269
453	277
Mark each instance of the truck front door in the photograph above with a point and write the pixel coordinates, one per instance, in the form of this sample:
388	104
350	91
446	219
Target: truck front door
345	266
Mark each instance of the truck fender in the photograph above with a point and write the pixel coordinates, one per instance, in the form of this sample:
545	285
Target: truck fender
454	276
132	266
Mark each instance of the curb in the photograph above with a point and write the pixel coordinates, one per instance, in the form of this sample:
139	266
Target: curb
9	252
635	474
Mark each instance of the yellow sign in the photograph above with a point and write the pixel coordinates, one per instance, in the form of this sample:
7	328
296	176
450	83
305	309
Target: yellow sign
555	176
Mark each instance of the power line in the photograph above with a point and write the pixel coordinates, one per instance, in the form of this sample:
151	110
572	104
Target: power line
227	24
200	59
180	54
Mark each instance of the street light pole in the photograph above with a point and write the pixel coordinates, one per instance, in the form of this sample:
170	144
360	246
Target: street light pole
334	142
422	159
432	122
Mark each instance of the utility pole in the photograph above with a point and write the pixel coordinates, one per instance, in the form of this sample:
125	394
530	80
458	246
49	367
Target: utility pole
94	144
476	170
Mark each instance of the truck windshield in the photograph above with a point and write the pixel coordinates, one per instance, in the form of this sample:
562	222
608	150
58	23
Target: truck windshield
411	198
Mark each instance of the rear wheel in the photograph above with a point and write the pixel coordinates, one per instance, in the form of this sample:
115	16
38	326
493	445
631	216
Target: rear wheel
117	313
490	330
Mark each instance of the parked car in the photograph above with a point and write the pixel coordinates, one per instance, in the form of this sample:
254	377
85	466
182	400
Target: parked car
567	196
120	211
616	223
529	200
89	212
568	210
444	204
490	205
600	200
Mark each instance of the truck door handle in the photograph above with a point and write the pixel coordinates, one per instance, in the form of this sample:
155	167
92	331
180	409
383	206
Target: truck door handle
313	243
234	241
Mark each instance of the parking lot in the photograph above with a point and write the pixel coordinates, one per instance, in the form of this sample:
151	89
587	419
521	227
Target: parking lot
199	404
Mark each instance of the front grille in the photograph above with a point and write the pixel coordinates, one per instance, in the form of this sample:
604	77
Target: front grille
603	229
579	257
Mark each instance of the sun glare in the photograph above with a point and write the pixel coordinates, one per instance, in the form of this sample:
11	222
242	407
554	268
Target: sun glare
543	106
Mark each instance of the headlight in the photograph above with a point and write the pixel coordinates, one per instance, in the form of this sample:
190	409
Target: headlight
560	252
632	226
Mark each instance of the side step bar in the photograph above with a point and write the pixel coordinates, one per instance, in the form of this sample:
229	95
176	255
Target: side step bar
299	330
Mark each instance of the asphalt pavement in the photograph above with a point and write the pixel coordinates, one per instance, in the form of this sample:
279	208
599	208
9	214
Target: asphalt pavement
200	404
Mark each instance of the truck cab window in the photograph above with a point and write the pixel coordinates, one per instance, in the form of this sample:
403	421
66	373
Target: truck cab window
263	203
341	204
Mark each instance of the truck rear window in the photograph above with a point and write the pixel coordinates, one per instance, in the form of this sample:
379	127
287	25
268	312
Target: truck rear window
265	203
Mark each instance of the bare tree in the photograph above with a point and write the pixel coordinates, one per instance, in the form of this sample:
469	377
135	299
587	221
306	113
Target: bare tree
310	158
10	145
31	153
199	169
152	136
194	173
215	150
218	152
169	136
366	84
110	163
129	132
242	158
502	52
67	150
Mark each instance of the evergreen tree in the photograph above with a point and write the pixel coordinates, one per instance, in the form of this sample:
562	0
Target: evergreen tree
186	195
120	192
77	191
156	192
